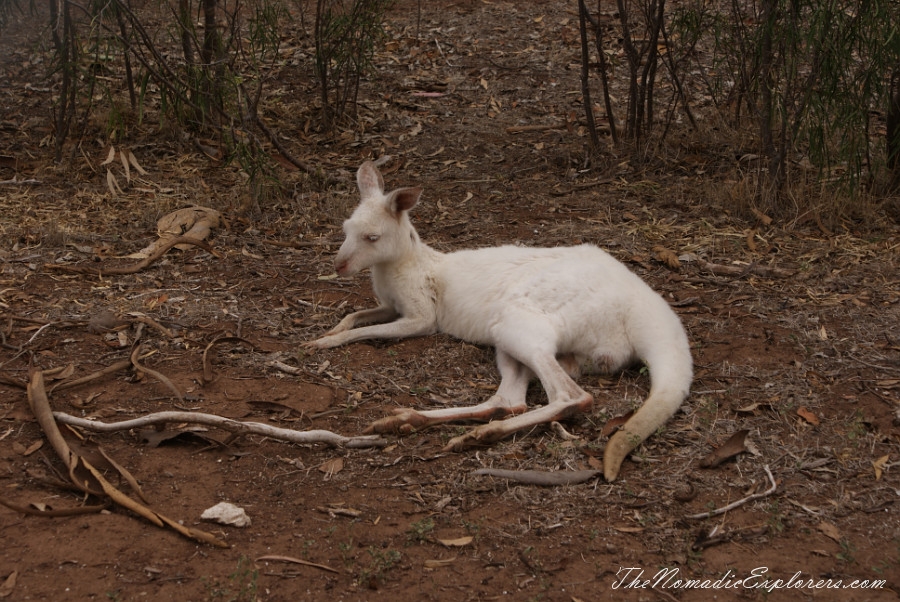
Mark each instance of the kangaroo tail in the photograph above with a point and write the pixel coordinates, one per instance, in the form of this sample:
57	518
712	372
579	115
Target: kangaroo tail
670	376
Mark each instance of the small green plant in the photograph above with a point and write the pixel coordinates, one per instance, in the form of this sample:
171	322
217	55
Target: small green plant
776	517
346	548
856	430
420	531
471	528
381	562
847	552
242	584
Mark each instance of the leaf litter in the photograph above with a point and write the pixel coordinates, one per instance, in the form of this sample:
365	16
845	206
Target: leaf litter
780	319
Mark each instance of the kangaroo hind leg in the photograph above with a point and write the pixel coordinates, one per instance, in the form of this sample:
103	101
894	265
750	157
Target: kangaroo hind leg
509	399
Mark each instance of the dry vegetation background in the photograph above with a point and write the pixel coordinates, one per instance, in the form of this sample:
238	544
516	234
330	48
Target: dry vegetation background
793	322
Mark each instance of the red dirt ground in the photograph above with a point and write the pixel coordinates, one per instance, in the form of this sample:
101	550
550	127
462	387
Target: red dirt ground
809	364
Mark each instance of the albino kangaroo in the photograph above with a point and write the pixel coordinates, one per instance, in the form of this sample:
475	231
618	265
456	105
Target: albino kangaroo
548	311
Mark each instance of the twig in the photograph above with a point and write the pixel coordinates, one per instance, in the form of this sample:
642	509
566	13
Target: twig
754	268
285	368
876	366
297	561
17	182
740	502
541	477
519	129
233	426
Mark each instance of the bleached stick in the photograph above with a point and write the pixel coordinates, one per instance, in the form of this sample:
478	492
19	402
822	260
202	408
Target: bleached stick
740	502
227	424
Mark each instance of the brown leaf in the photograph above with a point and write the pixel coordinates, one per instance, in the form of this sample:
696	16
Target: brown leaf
458	542
751	244
830	531
40	442
613	424
436	564
808	416
595	463
667	256
332	467
878	465
729	449
8	585
762	217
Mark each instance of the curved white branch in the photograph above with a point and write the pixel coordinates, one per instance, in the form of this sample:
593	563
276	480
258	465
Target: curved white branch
233	426
734	505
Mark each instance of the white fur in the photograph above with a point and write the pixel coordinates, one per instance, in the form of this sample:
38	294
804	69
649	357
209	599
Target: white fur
550	312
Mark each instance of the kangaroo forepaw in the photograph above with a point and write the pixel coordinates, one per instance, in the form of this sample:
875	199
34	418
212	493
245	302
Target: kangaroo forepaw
403	421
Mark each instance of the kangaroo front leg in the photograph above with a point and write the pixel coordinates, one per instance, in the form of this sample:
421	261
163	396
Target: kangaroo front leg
380	314
509	399
398	329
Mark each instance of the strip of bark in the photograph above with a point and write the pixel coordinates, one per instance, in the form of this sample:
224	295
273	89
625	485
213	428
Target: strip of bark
541	477
93	376
157	375
56	512
137	267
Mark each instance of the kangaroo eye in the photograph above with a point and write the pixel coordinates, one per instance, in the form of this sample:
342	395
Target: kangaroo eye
373	237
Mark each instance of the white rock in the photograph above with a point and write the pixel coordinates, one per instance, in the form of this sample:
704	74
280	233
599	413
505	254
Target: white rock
227	514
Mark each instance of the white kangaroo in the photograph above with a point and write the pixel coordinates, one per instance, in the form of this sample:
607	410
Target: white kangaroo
550	312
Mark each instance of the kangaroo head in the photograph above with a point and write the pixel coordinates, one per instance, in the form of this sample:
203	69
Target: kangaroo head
379	230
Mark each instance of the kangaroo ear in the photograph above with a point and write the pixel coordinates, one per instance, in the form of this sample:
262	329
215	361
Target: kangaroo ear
369	179
403	199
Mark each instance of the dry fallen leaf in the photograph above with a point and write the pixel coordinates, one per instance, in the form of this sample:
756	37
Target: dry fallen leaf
878	465
194	222
667	256
436	564
830	531
808	416
732	447
8	585
629	529
40	442
614	423
458	542
110	156
332	467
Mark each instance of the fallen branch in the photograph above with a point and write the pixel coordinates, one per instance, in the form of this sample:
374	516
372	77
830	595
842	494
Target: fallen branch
740	502
40	406
226	424
137	267
541	477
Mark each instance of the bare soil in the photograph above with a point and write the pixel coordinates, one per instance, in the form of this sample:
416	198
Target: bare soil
808	363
